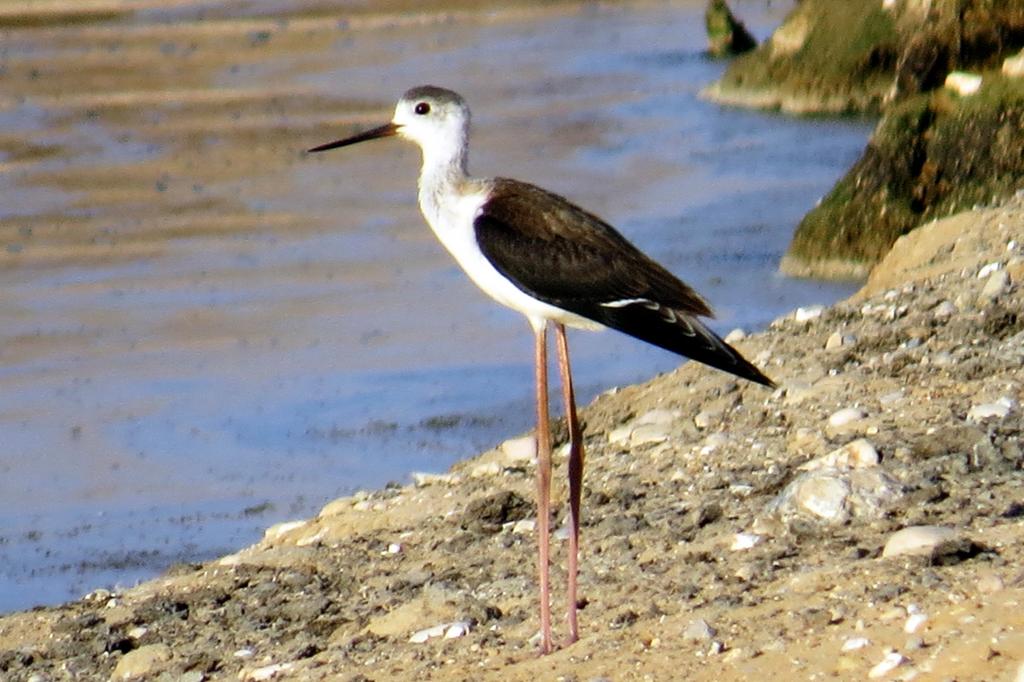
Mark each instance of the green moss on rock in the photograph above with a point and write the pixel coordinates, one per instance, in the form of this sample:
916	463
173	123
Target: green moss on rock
932	155
828	56
841	56
727	36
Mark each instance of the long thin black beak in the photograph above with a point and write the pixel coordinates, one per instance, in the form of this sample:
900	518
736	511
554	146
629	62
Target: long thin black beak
386	130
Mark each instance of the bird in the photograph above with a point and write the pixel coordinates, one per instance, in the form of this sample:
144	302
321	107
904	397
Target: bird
559	265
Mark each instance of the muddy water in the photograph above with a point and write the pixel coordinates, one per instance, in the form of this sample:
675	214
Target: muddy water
204	331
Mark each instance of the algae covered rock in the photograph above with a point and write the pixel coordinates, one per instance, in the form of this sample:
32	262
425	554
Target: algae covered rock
844	56
931	155
727	36
830	56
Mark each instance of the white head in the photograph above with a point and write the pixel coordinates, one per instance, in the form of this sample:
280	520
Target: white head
434	118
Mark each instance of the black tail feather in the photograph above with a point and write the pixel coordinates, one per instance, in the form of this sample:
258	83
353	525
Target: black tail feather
680	333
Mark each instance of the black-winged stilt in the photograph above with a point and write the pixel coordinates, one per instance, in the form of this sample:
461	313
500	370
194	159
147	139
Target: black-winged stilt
557	264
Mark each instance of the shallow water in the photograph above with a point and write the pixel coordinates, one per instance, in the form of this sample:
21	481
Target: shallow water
203	331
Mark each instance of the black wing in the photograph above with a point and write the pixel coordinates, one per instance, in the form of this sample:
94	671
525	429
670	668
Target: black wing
571	259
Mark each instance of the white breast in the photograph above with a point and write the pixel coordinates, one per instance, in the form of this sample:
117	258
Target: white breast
451	216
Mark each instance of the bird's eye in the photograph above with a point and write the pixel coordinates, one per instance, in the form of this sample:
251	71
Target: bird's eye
422	108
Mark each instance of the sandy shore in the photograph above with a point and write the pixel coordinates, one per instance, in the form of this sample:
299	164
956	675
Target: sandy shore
727	534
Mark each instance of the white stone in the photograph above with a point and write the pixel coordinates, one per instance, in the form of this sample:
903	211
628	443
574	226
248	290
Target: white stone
917	540
485	470
268	672
518	450
620	435
659	417
713	442
524	526
699	631
963	83
845	416
836	341
311	539
422	479
892	397
394	548
824	496
244	653
423	635
457	629
988	269
855	643
892	660
1000	409
857	454
1013	67
648	433
735	335
995	286
808	313
279	529
944	310
914	623
706	418
742	541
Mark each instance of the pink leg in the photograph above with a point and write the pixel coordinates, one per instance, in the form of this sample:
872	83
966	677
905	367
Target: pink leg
575	476
543	485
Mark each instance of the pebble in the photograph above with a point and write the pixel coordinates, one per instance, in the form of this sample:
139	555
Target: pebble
649	433
988	269
706	418
423	479
918	540
1013	66
620	434
990	583
857	454
486	470
808	313
735	335
524	526
713	442
279	529
457	629
519	450
699	631
421	636
995	286
914	623
892	660
855	643
742	541
142	662
837	341
658	416
944	310
845	416
890	398
268	672
824	497
1000	409
832	496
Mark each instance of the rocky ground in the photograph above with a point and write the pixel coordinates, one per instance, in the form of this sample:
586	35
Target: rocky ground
730	532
